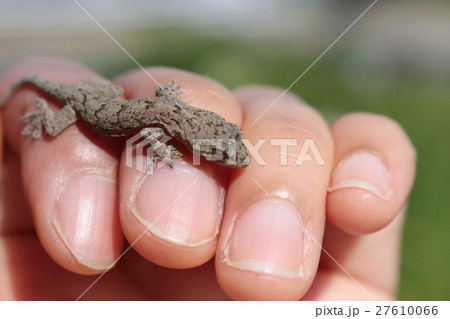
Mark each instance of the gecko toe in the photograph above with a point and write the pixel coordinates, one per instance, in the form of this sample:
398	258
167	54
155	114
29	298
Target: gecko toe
175	154
168	162
27	130
35	126
27	117
36	134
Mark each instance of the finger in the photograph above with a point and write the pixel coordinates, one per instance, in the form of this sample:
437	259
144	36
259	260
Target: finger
163	283
28	273
269	245
172	217
372	260
1	142
373	174
14	213
69	180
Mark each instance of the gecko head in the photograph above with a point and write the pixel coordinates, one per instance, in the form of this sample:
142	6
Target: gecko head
243	158
227	149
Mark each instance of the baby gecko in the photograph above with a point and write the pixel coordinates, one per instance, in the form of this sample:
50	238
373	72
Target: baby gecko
201	131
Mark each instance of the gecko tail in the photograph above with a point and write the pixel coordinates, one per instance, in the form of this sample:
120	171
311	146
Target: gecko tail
38	81
8	92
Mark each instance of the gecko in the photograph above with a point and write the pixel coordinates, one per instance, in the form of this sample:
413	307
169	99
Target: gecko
201	131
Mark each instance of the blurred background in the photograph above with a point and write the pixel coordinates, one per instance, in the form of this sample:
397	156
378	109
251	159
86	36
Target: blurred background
395	61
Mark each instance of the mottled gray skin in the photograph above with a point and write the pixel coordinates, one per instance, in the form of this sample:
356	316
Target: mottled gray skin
153	117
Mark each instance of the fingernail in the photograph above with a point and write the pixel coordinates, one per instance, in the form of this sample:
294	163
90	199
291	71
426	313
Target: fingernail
87	220
267	238
182	205
362	170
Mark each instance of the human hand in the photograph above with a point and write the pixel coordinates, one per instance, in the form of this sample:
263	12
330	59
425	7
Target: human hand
83	199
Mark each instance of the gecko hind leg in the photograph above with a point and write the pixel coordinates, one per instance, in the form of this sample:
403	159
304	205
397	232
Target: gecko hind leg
161	151
172	90
53	124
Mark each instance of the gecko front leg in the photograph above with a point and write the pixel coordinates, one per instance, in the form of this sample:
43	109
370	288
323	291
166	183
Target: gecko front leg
172	90
53	124
160	150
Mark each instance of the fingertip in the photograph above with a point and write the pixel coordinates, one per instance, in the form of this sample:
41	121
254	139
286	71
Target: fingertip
269	245
172	217
245	285
373	172
73	200
69	180
262	254
86	220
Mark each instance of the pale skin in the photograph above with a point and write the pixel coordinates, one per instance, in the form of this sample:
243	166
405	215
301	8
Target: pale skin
76	193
